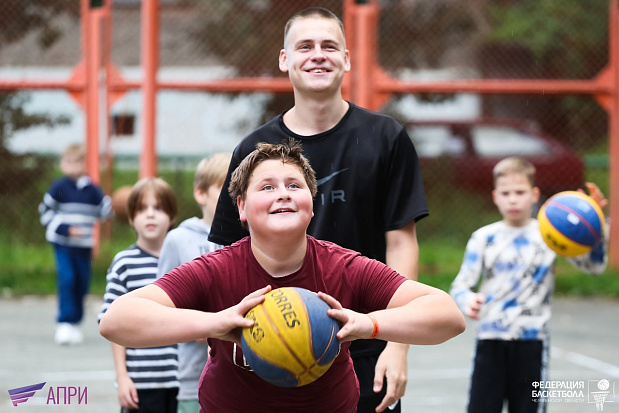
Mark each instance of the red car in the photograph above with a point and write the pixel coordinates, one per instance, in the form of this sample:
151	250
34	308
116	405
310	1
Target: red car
465	152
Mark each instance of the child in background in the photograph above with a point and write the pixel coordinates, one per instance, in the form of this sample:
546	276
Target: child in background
512	302
183	244
146	377
208	297
69	211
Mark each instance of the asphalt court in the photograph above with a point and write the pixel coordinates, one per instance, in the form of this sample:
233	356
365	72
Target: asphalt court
584	349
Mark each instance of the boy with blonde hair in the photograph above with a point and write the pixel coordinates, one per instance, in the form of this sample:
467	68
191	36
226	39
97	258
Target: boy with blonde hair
512	302
147	378
184	243
69	211
273	189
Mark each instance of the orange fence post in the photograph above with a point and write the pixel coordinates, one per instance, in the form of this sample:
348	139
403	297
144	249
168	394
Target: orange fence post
613	132
92	57
150	63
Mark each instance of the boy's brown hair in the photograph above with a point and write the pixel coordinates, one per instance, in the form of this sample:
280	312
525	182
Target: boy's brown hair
289	152
514	165
211	171
162	191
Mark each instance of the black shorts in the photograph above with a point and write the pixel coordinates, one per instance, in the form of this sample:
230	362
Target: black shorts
368	400
155	401
505	371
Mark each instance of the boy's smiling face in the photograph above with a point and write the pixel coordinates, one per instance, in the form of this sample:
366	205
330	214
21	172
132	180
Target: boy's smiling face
278	200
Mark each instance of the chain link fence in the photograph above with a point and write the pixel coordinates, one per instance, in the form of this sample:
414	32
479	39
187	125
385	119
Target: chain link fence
217	39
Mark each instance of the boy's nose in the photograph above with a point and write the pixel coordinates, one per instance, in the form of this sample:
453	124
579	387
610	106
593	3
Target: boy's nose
282	193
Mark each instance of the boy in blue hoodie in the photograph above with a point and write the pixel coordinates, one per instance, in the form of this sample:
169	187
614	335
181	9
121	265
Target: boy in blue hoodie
183	244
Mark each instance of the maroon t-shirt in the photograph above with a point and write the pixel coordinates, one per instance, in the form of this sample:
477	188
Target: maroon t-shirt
221	279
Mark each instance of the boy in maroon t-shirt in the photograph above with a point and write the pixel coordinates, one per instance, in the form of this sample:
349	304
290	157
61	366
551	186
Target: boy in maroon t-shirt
208	297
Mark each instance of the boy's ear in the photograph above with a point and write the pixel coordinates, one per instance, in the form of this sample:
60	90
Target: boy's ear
200	196
536	194
241	206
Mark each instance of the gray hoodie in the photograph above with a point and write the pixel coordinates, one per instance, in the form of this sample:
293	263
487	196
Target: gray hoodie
184	243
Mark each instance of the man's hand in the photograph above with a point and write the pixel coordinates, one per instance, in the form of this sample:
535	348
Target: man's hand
392	364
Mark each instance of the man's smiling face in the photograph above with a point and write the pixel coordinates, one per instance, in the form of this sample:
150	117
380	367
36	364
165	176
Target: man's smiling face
315	55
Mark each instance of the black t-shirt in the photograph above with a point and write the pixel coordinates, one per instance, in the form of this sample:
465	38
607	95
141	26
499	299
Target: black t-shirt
369	182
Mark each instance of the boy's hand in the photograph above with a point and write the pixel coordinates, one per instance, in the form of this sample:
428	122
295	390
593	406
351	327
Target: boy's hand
232	319
475	304
75	231
127	393
595	194
354	325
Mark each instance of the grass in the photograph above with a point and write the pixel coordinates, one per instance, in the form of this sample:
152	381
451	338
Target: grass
29	269
27	263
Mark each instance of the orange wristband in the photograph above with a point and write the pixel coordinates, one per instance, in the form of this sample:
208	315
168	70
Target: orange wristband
375	323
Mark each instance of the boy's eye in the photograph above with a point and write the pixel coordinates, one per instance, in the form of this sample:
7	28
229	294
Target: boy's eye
267	188
293	185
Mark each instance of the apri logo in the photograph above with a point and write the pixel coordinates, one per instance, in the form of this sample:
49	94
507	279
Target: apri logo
22	394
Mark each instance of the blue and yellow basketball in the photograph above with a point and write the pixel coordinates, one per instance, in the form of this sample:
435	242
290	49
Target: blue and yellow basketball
571	223
292	342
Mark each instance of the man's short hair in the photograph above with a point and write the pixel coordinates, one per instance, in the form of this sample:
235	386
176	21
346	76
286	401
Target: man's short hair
312	12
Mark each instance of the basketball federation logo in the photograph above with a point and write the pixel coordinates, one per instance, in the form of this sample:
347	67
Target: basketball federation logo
601	392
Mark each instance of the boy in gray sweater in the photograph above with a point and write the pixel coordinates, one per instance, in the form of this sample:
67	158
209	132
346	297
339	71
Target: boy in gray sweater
188	241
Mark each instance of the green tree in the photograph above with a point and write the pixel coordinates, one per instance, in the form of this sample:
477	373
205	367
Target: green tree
19	174
567	40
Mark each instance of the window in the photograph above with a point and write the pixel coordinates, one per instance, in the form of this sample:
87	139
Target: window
123	124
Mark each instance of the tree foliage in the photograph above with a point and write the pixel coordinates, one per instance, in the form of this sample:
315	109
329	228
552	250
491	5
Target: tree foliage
21	17
568	39
20	173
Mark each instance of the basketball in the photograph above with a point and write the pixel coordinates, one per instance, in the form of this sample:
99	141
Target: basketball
292	342
119	202
571	223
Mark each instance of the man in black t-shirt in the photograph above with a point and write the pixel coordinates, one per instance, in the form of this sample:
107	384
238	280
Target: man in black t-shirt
370	188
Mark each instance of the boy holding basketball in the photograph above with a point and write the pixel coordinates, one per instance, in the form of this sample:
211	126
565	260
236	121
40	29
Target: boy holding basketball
512	302
208	297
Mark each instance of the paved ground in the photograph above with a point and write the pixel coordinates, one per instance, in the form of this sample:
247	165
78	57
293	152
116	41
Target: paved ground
585	348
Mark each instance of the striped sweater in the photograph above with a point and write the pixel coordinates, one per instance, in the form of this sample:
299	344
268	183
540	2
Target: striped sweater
149	368
73	203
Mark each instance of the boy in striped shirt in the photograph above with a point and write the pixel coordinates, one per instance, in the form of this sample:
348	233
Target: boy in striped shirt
147	378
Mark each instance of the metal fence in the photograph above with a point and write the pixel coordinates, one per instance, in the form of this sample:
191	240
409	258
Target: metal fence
42	55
